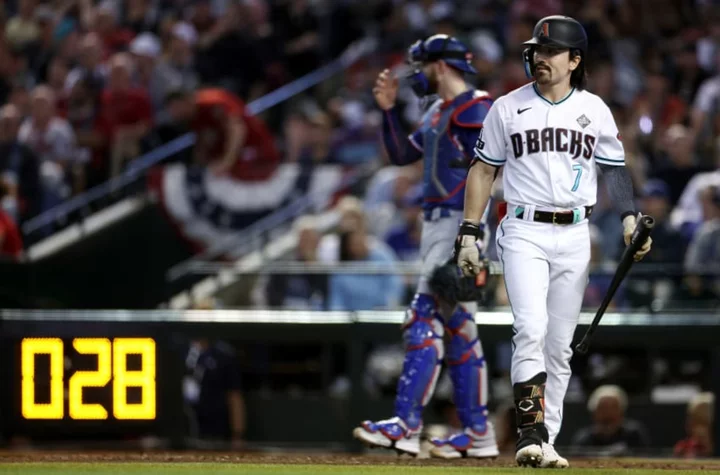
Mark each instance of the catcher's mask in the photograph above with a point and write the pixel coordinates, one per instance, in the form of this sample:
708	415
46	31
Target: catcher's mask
435	48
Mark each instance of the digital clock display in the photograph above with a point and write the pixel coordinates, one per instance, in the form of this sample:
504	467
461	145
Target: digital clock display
88	379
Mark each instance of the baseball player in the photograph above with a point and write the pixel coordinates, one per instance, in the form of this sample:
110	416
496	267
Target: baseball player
550	136
445	139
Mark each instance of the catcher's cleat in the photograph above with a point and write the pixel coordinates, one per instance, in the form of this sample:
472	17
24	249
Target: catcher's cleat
467	444
390	434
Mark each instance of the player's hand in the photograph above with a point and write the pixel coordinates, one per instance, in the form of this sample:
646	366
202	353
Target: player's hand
469	249
629	224
385	90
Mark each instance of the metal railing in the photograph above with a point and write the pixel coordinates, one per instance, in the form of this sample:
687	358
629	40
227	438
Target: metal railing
142	164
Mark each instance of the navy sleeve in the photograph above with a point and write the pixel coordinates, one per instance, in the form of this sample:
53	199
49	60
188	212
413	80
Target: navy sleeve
400	148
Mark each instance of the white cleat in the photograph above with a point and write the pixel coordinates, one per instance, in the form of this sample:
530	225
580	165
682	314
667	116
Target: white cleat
390	434
551	459
529	456
467	444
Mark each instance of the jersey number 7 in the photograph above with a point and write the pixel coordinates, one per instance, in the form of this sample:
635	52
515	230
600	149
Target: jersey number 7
578	169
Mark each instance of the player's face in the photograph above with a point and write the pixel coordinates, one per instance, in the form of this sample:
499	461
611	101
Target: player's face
553	65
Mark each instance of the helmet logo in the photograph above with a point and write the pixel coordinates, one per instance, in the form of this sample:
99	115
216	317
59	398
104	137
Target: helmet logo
545	30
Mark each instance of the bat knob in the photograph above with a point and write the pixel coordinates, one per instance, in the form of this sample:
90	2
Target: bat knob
581	348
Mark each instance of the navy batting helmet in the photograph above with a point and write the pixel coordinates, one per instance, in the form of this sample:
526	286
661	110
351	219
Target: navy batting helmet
560	32
437	48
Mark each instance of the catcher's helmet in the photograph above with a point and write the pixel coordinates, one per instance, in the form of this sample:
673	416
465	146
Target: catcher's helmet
558	31
435	48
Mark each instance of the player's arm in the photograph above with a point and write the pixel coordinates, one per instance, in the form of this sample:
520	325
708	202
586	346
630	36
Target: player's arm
489	155
610	157
236	132
402	149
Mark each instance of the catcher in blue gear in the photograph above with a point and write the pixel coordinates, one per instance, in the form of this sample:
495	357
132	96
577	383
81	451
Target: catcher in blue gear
444	141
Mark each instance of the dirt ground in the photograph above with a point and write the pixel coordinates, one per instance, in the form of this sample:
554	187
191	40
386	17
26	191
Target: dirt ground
329	459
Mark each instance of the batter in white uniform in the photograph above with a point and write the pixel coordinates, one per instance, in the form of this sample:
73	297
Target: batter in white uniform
550	136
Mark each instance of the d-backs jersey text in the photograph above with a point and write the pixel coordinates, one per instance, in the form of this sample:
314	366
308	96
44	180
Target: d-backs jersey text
550	150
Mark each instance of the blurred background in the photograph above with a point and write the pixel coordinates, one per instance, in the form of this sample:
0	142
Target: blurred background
116	194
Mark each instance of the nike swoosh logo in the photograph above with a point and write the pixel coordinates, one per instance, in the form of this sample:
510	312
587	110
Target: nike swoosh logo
520	111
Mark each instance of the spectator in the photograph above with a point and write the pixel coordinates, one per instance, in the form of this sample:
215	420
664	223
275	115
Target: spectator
126	110
229	140
349	292
175	71
104	20
22	29
680	162
146	49
611	433
299	26
303	291
92	130
11	244
703	254
688	214
142	16
226	56
52	139
19	167
213	391
405	238
352	216
41	51
89	62
699	427
653	289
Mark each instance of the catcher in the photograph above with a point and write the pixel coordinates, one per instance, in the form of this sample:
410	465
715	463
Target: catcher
445	141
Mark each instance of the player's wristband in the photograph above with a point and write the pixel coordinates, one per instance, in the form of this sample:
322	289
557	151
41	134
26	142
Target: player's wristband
468	228
626	214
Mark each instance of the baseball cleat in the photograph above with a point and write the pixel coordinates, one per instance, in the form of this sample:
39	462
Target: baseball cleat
390	434
467	444
529	456
551	459
529	452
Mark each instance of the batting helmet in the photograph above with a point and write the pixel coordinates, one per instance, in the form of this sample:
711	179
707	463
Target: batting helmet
560	32
437	48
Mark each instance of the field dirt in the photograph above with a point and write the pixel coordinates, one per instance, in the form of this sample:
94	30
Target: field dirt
328	459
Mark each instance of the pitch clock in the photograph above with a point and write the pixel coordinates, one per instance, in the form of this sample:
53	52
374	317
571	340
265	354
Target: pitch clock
90	381
49	392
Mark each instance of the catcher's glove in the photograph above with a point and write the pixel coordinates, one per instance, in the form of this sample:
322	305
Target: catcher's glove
448	283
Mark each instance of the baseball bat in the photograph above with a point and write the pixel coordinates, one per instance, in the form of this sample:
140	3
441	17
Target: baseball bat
642	231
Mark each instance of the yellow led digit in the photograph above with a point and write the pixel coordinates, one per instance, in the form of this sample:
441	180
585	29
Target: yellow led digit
90	379
31	347
143	378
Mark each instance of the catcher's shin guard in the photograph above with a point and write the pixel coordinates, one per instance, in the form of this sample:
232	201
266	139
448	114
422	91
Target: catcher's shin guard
467	370
424	351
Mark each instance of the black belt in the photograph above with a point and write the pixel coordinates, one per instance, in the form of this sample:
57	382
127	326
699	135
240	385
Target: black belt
559	217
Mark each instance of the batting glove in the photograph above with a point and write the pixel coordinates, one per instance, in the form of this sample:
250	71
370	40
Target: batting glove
469	249
629	225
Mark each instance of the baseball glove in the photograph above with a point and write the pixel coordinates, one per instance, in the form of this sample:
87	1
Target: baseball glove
448	283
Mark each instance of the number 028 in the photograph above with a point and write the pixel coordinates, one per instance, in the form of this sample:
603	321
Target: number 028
111	364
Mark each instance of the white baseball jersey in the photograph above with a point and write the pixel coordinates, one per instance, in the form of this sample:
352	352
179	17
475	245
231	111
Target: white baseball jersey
549	150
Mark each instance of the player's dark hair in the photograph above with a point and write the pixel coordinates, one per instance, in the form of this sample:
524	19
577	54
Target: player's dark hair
578	78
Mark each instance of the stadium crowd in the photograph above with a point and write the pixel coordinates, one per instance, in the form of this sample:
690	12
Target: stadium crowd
85	88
